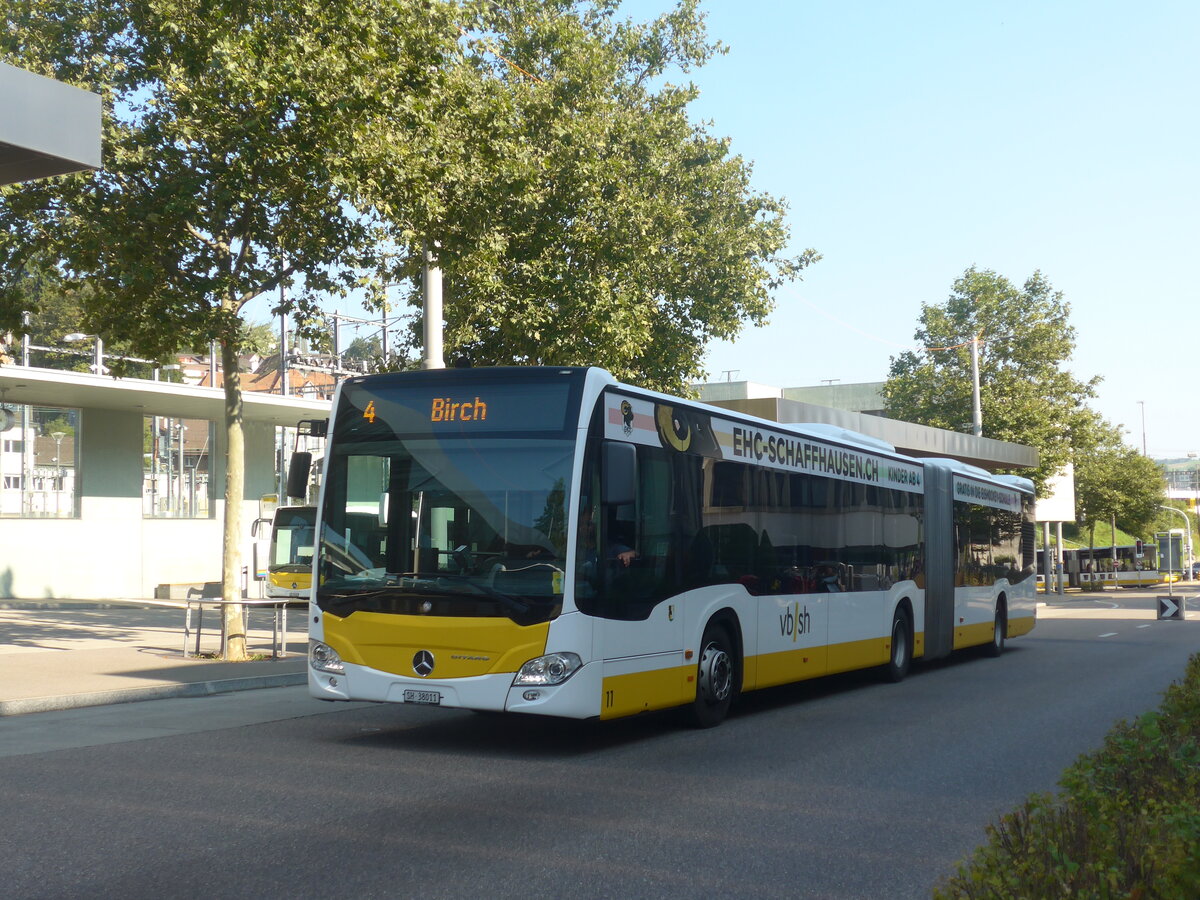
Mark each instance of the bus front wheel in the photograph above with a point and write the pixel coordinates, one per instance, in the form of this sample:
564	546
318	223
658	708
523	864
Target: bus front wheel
714	677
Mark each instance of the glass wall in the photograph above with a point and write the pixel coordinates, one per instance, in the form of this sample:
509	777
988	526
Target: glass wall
176	467
38	449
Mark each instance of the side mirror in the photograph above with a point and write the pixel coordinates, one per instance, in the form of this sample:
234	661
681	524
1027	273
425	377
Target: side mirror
618	477
298	472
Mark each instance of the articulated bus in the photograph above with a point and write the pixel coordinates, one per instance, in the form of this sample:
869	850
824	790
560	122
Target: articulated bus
548	540
1137	566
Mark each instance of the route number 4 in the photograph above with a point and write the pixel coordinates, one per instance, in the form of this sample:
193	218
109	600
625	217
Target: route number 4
369	412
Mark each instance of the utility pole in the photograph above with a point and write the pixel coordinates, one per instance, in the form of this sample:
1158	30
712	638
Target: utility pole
283	347
25	340
976	406
432	285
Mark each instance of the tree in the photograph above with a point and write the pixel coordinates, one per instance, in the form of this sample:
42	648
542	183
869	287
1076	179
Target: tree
580	217
232	131
259	337
1113	480
364	349
1026	393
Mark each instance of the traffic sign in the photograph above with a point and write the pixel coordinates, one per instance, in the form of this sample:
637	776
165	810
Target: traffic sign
1170	607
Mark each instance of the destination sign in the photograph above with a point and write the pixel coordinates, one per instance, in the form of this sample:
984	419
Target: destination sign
479	408
982	494
447	409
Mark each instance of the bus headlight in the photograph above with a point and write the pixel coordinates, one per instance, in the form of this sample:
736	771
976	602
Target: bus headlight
553	668
324	658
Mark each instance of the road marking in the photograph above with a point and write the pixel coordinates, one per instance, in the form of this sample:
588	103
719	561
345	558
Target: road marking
1110	634
1143	626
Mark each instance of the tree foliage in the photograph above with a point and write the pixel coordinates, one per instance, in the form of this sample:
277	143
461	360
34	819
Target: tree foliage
1027	394
580	217
1113	480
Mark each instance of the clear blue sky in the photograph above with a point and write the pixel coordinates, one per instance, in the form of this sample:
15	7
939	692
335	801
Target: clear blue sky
914	140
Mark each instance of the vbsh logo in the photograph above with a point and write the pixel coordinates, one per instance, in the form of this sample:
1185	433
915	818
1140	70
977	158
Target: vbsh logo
795	622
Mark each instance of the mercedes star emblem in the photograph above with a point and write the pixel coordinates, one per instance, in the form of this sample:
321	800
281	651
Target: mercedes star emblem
423	663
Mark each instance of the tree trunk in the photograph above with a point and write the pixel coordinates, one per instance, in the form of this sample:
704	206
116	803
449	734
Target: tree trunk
234	645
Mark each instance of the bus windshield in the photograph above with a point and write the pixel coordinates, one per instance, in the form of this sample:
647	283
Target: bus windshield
292	539
452	526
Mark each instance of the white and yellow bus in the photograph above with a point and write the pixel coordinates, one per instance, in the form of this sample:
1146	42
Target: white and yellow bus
547	540
290	559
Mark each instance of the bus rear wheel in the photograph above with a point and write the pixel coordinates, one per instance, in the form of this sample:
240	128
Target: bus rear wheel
901	655
714	677
1000	631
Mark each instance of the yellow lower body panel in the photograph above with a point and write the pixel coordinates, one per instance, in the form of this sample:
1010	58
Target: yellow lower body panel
813	662
973	635
627	695
790	665
1021	625
293	581
859	654
461	648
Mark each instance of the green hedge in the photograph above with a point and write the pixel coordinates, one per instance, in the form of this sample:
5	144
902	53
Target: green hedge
1126	823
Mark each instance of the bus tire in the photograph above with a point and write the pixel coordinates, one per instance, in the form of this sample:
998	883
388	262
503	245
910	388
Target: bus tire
1000	630
901	652
715	675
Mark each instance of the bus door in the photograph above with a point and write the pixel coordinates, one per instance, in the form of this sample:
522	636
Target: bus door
626	578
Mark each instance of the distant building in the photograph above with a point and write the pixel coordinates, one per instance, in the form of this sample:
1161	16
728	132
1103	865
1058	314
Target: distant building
859	408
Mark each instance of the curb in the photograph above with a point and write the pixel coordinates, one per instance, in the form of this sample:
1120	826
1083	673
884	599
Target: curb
34	605
154	692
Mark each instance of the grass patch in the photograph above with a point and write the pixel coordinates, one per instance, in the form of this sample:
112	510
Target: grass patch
1126	823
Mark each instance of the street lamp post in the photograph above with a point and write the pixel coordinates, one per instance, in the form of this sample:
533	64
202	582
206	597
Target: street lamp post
183	500
58	479
98	349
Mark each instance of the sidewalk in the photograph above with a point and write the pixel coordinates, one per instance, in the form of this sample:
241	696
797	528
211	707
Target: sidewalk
64	654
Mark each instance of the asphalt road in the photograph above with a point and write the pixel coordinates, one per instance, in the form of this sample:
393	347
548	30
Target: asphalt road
841	788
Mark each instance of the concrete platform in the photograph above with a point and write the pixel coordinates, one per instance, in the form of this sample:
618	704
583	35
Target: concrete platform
60	654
